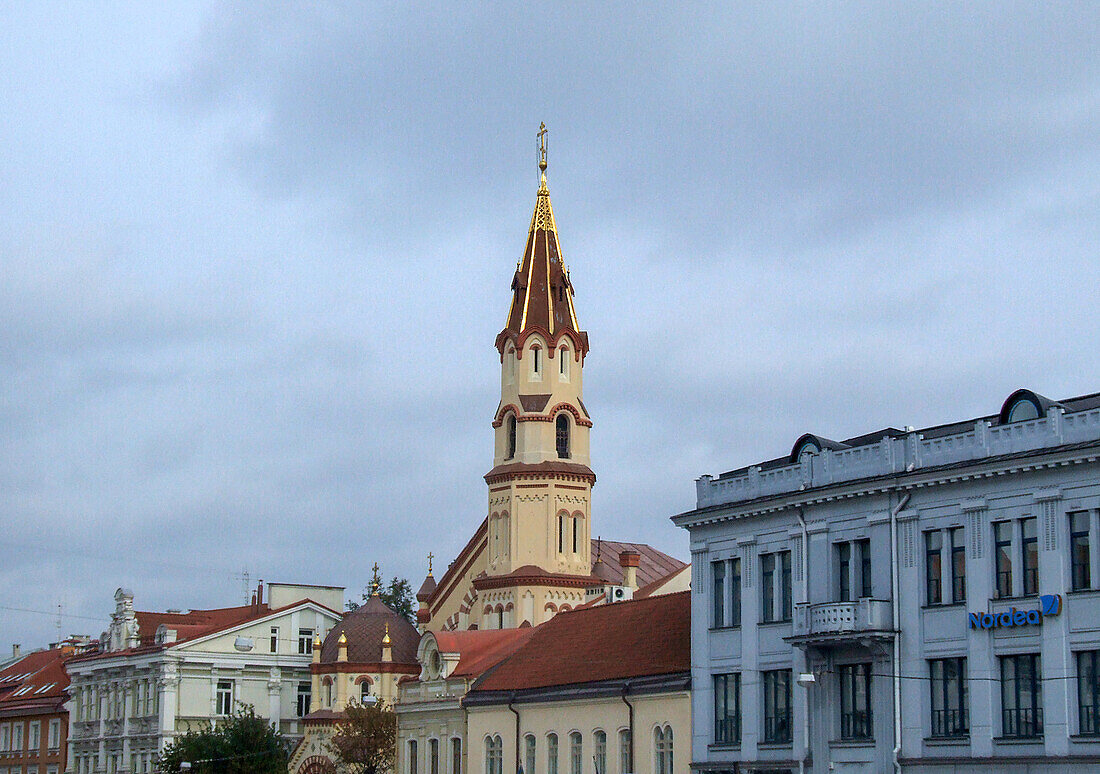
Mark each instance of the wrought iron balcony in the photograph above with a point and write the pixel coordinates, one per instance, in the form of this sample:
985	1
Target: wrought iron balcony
842	620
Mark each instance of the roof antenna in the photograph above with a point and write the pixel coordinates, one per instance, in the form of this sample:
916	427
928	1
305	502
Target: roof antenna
599	547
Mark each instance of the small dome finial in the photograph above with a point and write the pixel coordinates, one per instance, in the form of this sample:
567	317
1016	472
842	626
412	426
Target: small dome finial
430	557
542	146
386	635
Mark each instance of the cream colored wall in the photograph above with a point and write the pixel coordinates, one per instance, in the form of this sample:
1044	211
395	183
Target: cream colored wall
431	710
451	603
609	715
288	623
283	594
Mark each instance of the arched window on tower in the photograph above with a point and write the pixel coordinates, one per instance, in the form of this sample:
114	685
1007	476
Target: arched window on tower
576	533
561	425
563	363
561	533
511	436
536	362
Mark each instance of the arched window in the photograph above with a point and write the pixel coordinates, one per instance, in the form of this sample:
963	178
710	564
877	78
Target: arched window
433	756
563	363
511	436
494	748
561	426
456	755
509	366
599	753
536	362
561	533
576	753
413	765
1023	410
662	750
576	534
551	754
328	692
529	754
364	692
626	752
500	617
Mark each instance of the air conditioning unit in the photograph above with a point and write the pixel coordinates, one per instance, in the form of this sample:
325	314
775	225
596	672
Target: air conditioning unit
619	593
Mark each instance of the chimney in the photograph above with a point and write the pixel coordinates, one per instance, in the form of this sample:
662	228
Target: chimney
260	593
629	561
15	650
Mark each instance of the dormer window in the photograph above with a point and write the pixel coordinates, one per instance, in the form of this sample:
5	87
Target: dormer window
561	427
1022	411
511	436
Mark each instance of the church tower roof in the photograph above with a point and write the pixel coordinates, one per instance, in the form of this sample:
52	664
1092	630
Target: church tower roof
542	294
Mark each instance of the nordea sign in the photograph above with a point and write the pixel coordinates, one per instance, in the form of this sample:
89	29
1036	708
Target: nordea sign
1049	604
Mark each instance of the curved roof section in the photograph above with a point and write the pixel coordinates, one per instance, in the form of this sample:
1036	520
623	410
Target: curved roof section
365	628
816	441
1041	403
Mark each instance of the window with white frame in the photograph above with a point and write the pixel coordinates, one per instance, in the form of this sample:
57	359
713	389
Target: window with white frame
599	751
626	752
305	691
662	749
536	363
529	751
305	641
223	698
34	737
5	737
456	755
433	756
576	753
563	364
414	764
54	738
273	640
551	754
494	755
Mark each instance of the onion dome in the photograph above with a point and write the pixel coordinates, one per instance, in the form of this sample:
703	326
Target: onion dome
363	631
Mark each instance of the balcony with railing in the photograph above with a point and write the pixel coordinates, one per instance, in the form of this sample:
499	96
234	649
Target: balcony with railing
827	621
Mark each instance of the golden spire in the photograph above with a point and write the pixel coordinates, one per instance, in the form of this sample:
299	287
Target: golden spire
386	635
376	581
430	557
343	638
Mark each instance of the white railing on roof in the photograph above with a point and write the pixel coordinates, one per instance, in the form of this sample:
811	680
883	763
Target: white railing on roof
908	452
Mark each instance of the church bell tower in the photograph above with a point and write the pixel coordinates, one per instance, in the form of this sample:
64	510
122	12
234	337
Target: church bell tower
539	514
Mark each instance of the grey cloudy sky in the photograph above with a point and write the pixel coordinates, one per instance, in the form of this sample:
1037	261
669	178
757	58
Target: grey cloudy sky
253	263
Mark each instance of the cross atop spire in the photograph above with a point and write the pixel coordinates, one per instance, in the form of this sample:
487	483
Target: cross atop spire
542	145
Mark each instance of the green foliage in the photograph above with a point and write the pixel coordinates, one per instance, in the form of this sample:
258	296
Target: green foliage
365	741
243	743
398	596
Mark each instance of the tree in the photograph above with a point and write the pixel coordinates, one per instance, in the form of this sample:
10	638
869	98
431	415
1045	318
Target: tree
399	598
366	739
243	743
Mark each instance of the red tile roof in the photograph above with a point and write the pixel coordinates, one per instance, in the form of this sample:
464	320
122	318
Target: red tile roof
640	638
481	650
35	683
654	564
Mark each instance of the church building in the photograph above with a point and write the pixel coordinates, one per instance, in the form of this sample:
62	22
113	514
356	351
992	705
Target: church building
534	554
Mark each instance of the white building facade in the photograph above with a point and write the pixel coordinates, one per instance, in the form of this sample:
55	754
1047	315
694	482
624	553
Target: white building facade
161	674
906	600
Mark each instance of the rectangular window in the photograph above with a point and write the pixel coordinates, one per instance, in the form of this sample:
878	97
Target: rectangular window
34	737
456	756
767	587
950	705
1002	546
305	692
17	737
727	708
273	645
855	701
844	572
786	601
1079	550
223	698
414	767
1030	555
718	591
864	567
1021	696
957	538
933	543
433	756
1088	691
735	593
5	737
777	706
305	641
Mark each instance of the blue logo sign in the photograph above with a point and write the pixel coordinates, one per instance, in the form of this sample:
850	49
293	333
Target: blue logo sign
1049	604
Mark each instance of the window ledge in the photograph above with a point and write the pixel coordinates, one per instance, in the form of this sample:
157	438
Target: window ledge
732	628
773	745
1082	592
781	622
1085	738
1018	739
721	746
852	742
1014	599
943	605
947	741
